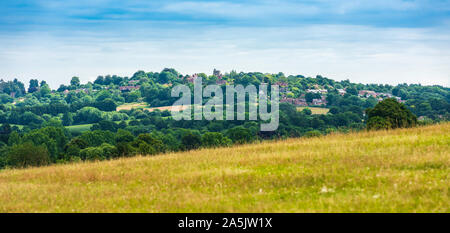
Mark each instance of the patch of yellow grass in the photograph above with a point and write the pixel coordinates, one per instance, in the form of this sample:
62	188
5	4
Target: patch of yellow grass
144	106
130	106
315	110
404	170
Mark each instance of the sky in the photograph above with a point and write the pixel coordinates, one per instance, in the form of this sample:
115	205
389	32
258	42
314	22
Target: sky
366	41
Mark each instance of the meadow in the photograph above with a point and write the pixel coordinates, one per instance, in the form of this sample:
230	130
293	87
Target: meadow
78	129
144	106
404	170
315	110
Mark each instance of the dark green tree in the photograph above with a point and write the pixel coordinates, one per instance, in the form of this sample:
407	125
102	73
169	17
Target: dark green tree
191	141
27	154
393	113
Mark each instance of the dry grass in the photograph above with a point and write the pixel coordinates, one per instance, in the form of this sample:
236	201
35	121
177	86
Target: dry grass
315	110
130	106
397	171
144	106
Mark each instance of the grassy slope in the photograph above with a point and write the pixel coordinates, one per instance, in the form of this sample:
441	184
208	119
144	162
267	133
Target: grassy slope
315	110
79	128
398	171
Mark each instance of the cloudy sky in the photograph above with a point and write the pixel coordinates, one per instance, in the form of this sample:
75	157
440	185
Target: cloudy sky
384	41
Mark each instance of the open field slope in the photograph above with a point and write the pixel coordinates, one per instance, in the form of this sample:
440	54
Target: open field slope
404	170
315	110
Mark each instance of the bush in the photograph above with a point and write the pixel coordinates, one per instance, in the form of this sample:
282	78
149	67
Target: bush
239	135
378	123
92	153
27	154
213	139
313	133
191	141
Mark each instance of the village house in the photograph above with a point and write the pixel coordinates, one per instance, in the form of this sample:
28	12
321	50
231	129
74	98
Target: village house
133	82
341	91
191	78
129	88
366	93
384	95
287	100
296	102
283	86
300	102
220	80
321	101
85	90
319	91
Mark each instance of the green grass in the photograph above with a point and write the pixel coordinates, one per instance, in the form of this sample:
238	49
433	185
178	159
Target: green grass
77	129
315	110
18	126
403	170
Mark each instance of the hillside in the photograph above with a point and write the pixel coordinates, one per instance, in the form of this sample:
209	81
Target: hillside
403	170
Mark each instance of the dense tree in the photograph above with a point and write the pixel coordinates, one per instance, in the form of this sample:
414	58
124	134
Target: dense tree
240	135
38	117
34	85
106	105
28	154
191	141
390	114
215	139
67	119
88	115
75	81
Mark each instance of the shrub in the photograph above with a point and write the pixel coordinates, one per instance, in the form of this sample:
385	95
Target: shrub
28	154
313	133
213	139
191	141
239	135
92	153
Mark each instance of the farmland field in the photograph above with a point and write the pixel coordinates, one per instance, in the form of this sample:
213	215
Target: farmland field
144	106
77	129
315	110
404	170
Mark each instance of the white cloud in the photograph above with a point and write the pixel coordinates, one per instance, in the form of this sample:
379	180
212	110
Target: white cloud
361	54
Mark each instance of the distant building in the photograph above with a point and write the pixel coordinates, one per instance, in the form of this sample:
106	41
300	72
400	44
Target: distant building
85	90
191	78
300	102
287	100
129	88
319	91
220	82
341	91
283	86
321	101
296	102
366	93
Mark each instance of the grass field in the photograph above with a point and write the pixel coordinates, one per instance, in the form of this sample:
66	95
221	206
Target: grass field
396	171
144	106
77	129
315	110
129	106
